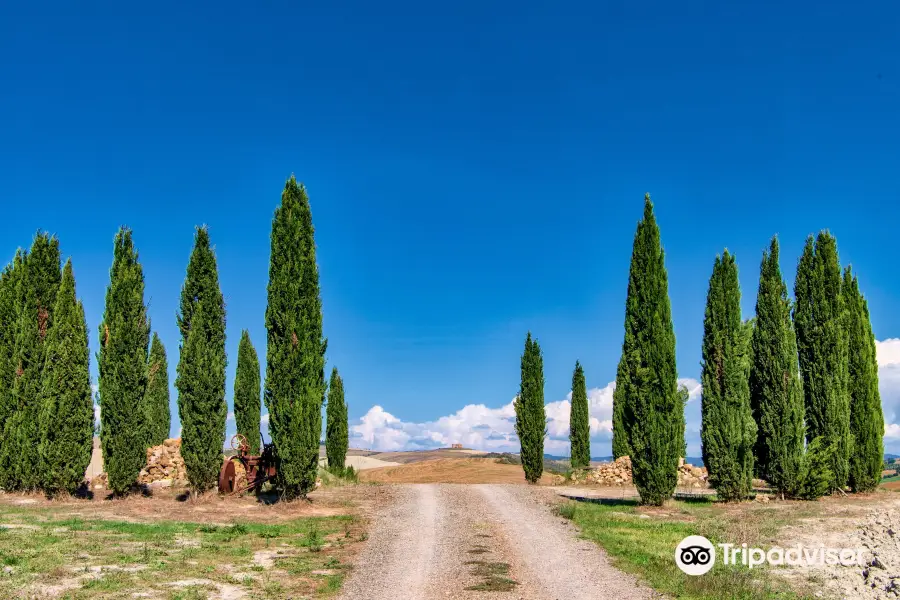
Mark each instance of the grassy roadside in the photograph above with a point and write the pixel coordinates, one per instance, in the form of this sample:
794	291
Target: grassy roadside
642	541
44	554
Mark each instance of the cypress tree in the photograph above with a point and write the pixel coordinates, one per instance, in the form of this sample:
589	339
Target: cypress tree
156	400
619	434
820	324
67	410
10	292
647	381
246	393
579	421
866	418
201	403
336	427
775	392
122	361
20	459
201	367
815	476
683	396
531	422
295	352
728	432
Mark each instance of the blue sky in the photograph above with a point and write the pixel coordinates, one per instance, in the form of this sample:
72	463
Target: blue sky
475	170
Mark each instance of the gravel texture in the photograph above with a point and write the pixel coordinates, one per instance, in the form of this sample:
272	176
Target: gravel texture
548	549
442	540
878	578
399	554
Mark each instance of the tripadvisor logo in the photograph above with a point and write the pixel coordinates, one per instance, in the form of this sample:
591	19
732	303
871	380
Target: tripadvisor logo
695	555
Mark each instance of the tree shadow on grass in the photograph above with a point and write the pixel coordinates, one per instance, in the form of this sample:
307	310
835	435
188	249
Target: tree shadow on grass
138	489
606	501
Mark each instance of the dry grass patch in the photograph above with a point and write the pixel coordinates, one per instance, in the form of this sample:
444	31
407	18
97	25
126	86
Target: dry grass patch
48	553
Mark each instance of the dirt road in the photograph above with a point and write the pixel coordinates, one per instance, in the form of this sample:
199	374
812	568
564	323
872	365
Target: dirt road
458	541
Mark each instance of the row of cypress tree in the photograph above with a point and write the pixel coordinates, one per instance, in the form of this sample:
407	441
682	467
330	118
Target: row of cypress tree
790	396
46	409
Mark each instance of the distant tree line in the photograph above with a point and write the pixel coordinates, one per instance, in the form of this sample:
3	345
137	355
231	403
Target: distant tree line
46	404
789	396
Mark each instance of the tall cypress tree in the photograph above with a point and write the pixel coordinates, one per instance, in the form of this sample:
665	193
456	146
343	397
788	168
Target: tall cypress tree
67	409
156	400
619	432
728	431
647	380
246	393
820	324
531	422
776	395
295	352
684	395
10	294
122	362
201	367
866	418
579	421
201	403
20	459
336	426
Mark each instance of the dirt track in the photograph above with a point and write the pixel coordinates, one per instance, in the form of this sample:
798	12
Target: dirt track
440	540
451	470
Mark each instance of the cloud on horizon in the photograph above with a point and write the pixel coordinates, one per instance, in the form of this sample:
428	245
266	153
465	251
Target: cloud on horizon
480	427
888	355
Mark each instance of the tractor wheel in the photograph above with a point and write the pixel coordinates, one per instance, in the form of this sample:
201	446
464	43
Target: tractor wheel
227	479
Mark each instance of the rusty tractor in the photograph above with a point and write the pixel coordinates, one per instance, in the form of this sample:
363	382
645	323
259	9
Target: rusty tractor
259	468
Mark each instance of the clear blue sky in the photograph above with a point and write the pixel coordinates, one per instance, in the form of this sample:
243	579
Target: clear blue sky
475	170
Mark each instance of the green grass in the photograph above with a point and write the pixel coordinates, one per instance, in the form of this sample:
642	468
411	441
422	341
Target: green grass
95	558
494	576
190	593
336	477
890	479
643	542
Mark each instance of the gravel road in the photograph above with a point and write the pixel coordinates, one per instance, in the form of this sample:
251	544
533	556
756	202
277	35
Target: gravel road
459	541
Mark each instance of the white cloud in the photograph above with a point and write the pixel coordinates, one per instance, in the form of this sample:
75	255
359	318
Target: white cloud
888	352
693	386
484	428
480	427
230	416
888	355
891	431
474	426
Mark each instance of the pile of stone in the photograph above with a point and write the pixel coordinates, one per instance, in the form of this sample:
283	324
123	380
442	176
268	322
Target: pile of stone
618	473
164	467
690	476
99	482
